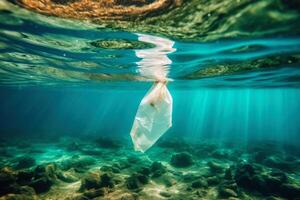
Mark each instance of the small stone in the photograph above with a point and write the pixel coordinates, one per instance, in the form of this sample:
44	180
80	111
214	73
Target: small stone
25	162
124	164
93	193
156	166
25	190
214	180
182	160
145	170
157	174
39	171
244	176
190	177
215	167
220	154
201	193
67	177
90	181
25	177
132	183
117	165
7	181
116	170
136	180
157	169
106	168
118	180
51	171
167	181
165	194
226	192
41	185
143	178
106	180
80	164
230	184
199	183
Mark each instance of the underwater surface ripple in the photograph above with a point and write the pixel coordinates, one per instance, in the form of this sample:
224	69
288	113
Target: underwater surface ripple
33	52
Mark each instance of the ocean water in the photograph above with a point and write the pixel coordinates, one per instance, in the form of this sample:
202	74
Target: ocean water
71	85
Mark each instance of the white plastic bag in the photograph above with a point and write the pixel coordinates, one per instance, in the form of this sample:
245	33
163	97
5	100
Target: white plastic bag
153	118
154	115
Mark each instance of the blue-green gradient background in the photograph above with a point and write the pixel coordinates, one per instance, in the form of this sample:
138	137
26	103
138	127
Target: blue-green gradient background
231	114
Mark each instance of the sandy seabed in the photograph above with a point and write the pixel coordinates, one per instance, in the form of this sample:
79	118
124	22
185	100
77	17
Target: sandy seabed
107	168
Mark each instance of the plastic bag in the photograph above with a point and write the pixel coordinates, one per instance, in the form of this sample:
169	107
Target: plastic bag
153	118
154	115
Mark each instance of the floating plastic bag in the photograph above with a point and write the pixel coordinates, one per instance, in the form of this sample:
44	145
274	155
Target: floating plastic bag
153	118
154	115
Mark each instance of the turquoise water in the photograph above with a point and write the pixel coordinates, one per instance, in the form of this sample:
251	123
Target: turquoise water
245	88
70	90
33	53
238	114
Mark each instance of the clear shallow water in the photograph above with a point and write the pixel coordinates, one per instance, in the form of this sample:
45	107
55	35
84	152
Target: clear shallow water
241	115
69	92
241	87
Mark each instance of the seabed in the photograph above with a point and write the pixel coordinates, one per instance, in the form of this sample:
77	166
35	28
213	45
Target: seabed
109	168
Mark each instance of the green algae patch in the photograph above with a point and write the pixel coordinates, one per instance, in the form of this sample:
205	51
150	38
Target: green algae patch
121	44
236	67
